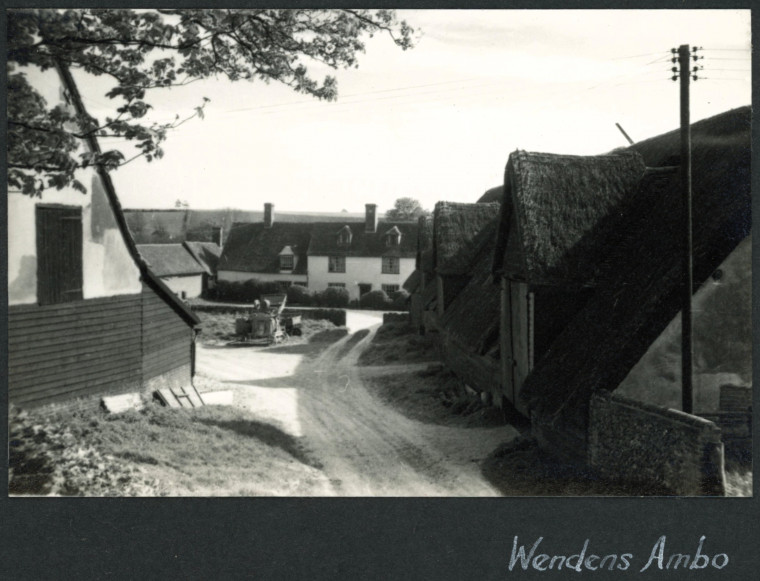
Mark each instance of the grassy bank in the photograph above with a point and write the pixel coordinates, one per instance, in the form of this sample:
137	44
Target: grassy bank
433	395
396	343
208	451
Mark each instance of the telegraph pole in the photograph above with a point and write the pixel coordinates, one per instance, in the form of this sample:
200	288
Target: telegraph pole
684	73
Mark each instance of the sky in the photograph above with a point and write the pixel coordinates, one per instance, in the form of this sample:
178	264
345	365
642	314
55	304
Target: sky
438	122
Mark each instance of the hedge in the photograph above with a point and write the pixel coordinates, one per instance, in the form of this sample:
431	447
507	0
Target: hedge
332	296
376	299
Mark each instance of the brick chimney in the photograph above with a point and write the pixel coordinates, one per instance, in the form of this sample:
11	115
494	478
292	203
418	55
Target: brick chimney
370	220
268	214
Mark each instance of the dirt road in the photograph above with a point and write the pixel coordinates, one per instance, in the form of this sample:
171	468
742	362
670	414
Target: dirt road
365	448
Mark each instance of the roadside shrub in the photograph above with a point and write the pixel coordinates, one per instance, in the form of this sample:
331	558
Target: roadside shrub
333	296
353	304
376	300
298	295
399	299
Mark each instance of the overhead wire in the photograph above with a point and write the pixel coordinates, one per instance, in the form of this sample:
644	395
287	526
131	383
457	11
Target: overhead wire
402	99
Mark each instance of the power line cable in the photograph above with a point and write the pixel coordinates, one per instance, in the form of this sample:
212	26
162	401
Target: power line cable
343	101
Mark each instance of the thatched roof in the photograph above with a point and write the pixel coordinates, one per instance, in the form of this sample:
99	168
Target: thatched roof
206	253
495	194
473	316
641	290
563	206
455	225
170	259
324	239
424	258
256	248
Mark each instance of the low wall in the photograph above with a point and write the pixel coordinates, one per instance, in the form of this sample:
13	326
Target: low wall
649	445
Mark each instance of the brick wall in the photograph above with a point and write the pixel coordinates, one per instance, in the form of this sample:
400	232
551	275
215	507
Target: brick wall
649	445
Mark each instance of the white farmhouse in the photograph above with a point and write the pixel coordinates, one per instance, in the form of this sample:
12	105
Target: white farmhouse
359	256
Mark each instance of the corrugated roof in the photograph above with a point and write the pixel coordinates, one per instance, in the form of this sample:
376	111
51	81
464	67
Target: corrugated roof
170	259
641	290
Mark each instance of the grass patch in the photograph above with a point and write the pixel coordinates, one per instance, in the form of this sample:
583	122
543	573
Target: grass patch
396	342
521	468
161	451
433	395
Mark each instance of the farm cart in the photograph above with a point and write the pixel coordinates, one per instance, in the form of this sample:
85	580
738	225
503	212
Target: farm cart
265	324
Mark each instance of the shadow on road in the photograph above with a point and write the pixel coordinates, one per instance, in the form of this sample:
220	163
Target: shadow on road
269	435
351	343
284	381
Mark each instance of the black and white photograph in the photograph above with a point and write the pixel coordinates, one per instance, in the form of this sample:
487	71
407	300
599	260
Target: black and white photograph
379	253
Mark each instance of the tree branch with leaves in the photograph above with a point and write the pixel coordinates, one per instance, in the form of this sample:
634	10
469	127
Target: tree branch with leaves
152	49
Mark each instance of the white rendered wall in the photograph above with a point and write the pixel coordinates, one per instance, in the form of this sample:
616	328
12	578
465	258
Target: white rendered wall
191	285
107	266
364	270
237	276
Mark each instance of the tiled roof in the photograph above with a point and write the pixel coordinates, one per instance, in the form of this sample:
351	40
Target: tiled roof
206	253
170	259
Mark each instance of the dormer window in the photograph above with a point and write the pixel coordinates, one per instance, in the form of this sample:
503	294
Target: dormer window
287	259
393	237
344	236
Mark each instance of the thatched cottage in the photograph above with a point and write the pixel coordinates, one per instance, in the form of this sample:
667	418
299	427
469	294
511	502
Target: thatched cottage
549	249
359	256
421	283
455	226
469	338
602	234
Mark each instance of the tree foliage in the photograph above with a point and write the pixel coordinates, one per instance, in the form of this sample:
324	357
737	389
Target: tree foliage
405	209
139	51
